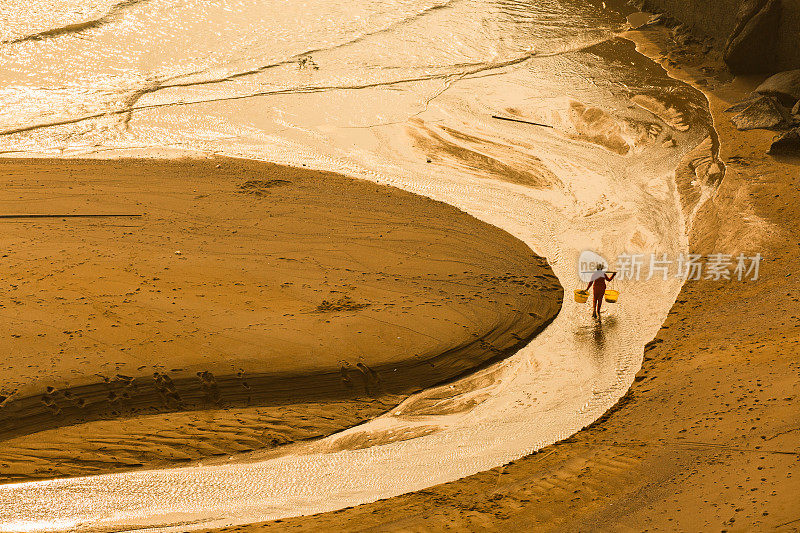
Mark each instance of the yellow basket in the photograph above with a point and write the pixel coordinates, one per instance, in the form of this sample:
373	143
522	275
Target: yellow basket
581	296
611	296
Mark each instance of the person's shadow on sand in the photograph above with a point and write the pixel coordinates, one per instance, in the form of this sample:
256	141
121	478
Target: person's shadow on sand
594	336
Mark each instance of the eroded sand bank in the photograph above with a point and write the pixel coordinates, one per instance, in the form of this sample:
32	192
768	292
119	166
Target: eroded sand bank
250	305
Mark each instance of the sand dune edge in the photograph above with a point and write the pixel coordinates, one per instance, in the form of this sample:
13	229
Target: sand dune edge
343	296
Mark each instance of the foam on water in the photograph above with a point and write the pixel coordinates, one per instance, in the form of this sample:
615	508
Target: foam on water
399	92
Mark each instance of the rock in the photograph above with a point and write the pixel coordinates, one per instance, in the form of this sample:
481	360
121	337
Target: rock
796	110
786	144
669	142
683	35
785	86
751	46
762	113
741	106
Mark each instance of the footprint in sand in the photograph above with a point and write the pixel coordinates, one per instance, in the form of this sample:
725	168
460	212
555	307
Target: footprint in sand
166	389
210	388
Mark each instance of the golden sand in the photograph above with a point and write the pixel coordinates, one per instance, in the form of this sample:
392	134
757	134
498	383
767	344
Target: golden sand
249	306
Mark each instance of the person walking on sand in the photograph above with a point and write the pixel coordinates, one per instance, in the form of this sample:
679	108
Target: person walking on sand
599	278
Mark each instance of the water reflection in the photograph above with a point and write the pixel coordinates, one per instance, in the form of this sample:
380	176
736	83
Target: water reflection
592	337
610	200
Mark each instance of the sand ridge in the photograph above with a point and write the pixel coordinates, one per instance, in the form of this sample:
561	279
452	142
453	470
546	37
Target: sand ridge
244	285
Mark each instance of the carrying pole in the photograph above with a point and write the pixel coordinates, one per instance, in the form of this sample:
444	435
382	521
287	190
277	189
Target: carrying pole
522	121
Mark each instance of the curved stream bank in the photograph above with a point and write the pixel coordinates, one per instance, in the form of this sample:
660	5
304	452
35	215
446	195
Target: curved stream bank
706	438
299	303
495	416
601	179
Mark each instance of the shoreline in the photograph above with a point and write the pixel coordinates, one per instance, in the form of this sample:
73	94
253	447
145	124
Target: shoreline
706	437
433	304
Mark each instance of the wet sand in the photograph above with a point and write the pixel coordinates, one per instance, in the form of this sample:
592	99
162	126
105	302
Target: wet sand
708	437
250	305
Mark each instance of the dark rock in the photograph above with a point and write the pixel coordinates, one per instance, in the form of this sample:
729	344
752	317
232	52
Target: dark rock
683	35
785	86
744	104
786	144
762	113
751	46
